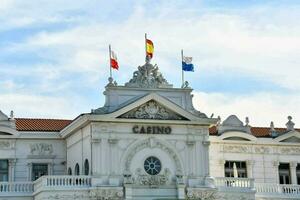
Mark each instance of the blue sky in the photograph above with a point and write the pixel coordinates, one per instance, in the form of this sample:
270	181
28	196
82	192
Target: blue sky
53	54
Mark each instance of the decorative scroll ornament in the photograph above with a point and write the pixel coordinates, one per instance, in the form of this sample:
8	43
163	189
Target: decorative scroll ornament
41	149
6	145
236	149
106	193
148	76
152	110
152	180
203	194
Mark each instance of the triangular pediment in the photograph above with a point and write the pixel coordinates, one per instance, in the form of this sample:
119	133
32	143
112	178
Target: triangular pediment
290	137
152	110
153	107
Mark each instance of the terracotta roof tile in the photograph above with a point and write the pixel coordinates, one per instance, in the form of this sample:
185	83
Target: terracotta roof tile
256	131
54	125
47	125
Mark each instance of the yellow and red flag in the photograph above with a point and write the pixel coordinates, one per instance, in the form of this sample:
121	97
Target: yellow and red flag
149	48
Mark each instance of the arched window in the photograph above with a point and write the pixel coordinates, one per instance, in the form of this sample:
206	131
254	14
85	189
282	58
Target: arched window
86	167
69	171
76	169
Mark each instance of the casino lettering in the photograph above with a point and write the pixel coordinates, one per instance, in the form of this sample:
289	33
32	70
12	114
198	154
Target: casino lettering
152	129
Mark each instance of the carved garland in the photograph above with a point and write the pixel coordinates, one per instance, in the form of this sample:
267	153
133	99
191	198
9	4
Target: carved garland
152	143
152	110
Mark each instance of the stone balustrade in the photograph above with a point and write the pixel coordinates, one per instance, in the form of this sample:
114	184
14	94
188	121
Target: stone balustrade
234	183
16	187
62	181
269	188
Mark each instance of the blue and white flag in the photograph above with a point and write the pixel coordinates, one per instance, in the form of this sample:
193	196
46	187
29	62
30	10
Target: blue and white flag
187	64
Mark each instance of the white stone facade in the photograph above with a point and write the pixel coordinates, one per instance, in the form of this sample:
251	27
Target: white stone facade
146	142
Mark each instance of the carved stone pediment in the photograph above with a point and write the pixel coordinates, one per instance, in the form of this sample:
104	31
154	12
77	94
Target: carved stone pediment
152	110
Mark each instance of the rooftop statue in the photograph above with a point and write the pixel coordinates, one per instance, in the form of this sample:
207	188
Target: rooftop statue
148	76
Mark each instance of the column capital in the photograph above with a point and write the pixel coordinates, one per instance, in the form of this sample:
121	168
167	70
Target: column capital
222	162
276	163
250	162
293	164
12	162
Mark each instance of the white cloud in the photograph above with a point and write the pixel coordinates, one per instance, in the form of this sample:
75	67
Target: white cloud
37	106
262	42
261	108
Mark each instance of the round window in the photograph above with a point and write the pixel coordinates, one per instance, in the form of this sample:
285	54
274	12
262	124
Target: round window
152	165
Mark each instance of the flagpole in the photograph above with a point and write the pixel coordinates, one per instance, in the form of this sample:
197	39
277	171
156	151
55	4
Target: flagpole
146	46
182	72
110	71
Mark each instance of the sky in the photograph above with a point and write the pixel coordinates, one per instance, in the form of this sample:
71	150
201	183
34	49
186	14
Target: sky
54	54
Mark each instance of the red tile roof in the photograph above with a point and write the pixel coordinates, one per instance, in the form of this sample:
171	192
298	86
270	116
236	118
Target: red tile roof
55	125
256	131
47	125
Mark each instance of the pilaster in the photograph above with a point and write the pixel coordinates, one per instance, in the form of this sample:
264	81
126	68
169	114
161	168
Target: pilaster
11	168
29	168
276	165
250	164
293	166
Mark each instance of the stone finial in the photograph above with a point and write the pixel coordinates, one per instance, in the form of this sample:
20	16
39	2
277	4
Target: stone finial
247	121
110	82
12	114
219	120
273	132
290	125
272	127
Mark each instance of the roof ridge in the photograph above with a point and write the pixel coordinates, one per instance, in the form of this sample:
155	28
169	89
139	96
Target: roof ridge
23	118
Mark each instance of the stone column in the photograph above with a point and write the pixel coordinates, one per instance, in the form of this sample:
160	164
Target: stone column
293	166
11	169
222	167
276	175
250	164
50	168
206	147
29	178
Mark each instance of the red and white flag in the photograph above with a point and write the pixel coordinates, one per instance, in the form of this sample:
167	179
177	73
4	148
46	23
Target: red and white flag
114	61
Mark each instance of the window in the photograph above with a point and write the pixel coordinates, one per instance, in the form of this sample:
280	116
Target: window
86	167
152	165
3	170
298	173
241	169
284	173
69	171
76	169
38	170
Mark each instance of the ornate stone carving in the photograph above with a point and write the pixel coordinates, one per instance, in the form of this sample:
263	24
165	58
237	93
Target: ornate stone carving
148	76
110	193
6	144
152	143
73	196
236	149
239	196
41	149
290	150
152	110
152	180
201	193
262	149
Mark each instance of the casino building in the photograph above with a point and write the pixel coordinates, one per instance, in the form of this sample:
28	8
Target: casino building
147	142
